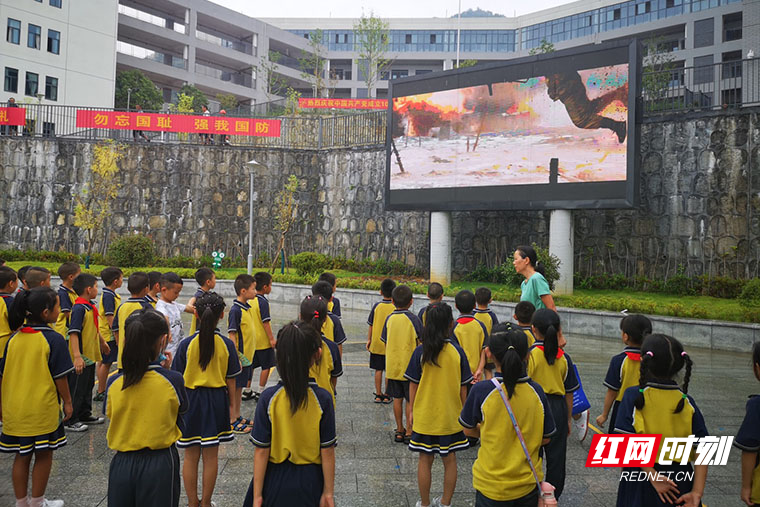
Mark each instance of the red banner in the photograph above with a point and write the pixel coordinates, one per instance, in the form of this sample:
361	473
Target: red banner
178	123
12	116
343	103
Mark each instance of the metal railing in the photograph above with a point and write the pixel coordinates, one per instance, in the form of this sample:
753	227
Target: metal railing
365	129
708	87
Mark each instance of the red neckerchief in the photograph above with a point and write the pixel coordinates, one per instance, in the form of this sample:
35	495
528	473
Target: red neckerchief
83	301
465	319
634	356
28	329
560	352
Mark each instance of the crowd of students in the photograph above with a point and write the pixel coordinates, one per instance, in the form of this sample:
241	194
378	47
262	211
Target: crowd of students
455	382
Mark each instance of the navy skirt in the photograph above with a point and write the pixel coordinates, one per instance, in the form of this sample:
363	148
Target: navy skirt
643	494
438	444
25	445
207	420
289	484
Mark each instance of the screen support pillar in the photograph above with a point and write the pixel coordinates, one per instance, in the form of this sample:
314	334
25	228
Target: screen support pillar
440	247
561	243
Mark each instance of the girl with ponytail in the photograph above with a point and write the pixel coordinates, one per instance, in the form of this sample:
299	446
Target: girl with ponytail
32	384
659	405
209	364
552	369
294	425
484	415
144	402
329	367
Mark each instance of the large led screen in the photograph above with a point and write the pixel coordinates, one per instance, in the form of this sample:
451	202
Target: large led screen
555	131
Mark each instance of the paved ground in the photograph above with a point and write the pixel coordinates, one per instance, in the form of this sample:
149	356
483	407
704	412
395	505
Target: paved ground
374	471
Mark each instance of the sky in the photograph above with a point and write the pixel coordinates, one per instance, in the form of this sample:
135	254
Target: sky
384	8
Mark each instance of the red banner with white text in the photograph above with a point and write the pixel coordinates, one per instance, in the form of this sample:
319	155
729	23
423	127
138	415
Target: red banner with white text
342	103
12	116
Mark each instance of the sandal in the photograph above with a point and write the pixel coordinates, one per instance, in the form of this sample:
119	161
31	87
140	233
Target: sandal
386	399
239	427
398	436
379	398
407	439
247	396
245	421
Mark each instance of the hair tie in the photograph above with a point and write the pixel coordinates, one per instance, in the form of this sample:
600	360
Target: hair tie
684	354
641	390
316	313
684	396
650	353
510	348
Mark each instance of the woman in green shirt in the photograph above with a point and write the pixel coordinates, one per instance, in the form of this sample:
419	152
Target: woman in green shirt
534	288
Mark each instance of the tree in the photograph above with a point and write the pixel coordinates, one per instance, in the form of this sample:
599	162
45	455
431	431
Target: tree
544	47
657	73
465	63
93	205
199	98
372	40
143	91
286	209
291	102
227	101
312	63
274	82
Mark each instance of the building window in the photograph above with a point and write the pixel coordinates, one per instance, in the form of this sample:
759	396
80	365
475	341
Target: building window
703	33
51	88
616	14
54	42
432	38
643	8
56	3
11	80
32	84
14	31
408	38
732	27
35	34
669	4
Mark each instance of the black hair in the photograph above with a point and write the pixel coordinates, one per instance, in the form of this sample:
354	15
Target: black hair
209	307
35	276
21	273
143	329
524	311
243	282
386	288
636	326
402	296
313	312
329	278
663	356
29	305
530	253
137	281
509	347
756	353
483	296
82	282
323	289
465	301
170	278
436	331
110	275
547	324
154	277
7	275
67	269
203	275
297	343
263	279
435	290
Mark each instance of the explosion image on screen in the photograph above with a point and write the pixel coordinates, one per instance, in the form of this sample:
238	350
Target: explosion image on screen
506	133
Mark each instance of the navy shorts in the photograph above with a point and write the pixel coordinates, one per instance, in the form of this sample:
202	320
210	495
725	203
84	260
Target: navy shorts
377	362
246	374
529	500
398	389
147	478
111	357
263	359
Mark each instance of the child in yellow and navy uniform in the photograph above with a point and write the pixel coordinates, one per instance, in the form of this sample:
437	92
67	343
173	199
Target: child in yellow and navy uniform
401	335
333	305
8	286
144	403
375	345
294	429
748	440
435	295
206	280
439	374
482	312
240	331
137	285
86	347
501	472
523	315
657	405
470	333
329	366
33	372
209	363
112	278
154	288
66	295
332	329
624	369
552	369
263	357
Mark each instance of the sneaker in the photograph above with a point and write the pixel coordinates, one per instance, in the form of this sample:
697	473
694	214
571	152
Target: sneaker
76	427
256	396
93	420
581	426
99	396
247	395
436	502
52	503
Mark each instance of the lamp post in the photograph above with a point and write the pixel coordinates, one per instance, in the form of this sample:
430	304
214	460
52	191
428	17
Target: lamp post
252	165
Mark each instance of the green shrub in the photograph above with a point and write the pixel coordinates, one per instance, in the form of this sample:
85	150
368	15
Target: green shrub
483	273
550	263
308	263
132	250
750	295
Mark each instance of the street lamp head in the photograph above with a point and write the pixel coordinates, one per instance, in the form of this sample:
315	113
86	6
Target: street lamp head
253	164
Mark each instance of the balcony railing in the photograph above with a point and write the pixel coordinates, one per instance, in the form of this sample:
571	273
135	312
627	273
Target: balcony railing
126	48
153	20
236	44
235	77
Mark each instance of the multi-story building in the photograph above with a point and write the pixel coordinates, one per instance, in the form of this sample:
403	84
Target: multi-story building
58	51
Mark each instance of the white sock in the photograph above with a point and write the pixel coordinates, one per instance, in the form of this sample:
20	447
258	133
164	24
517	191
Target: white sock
22	502
261	388
36	502
246	390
